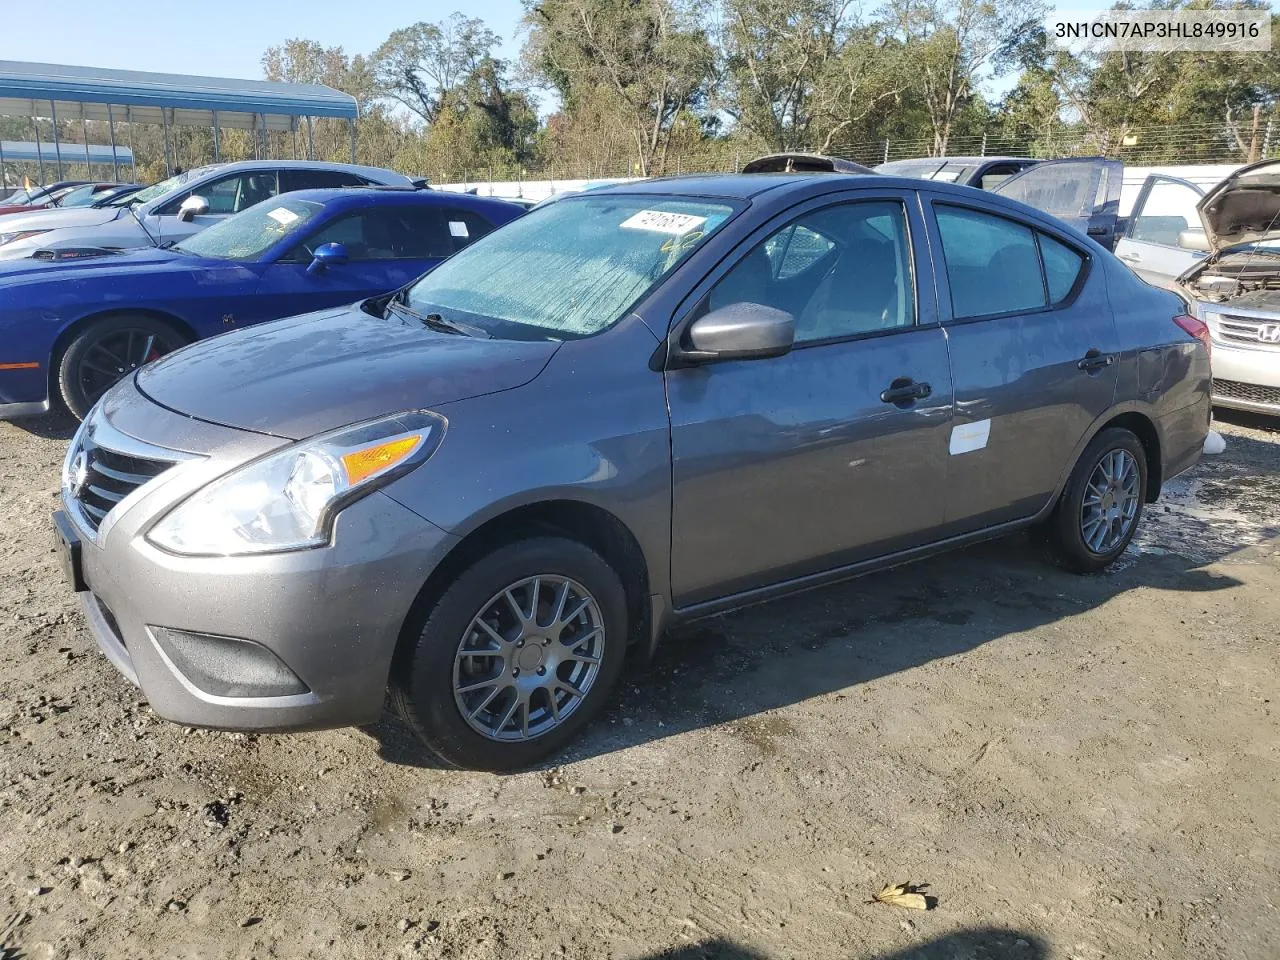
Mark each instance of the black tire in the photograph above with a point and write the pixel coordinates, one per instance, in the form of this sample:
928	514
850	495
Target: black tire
1064	531
120	342
422	689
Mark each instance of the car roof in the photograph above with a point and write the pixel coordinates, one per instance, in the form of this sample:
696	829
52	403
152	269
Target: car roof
341	197
733	186
379	173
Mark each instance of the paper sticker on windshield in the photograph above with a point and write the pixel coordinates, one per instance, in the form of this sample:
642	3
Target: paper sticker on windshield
967	437
658	221
282	216
458	229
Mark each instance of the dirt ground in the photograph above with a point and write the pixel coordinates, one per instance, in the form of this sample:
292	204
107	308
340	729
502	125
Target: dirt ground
1078	767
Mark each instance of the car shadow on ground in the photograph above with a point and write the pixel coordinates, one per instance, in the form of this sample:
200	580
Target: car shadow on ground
53	426
737	666
979	944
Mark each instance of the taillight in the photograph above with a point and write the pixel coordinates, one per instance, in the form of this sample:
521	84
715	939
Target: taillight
1197	328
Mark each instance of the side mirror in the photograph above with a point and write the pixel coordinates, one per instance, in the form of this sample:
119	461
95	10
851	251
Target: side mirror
327	255
1193	240
193	207
740	331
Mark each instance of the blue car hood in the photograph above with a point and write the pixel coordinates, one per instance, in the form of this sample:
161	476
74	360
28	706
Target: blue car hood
90	268
298	377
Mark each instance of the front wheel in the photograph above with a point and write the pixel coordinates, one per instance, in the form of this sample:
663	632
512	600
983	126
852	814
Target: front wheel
1101	506
107	351
515	658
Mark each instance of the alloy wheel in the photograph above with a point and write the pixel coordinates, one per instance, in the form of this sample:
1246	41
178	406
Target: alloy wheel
529	658
1110	503
115	355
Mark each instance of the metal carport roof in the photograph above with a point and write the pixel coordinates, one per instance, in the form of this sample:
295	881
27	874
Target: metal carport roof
14	151
92	93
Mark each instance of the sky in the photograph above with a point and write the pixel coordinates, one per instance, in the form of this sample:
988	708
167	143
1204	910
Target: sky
226	38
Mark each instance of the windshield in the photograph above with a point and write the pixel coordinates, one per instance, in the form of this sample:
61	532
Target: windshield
150	193
79	196
570	269
24	197
246	235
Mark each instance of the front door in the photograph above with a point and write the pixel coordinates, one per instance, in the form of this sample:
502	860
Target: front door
1153	242
225	196
1033	357
835	452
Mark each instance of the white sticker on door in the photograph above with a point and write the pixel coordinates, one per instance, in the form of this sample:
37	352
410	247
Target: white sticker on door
967	437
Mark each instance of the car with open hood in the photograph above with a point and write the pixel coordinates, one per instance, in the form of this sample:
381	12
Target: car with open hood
492	491
71	325
1227	265
173	209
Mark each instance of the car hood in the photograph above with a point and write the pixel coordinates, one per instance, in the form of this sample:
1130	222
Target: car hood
27	269
1244	208
298	377
64	217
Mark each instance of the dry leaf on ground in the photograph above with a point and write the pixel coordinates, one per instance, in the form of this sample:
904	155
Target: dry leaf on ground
904	895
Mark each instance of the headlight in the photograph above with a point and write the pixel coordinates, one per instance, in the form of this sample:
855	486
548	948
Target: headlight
19	235
287	500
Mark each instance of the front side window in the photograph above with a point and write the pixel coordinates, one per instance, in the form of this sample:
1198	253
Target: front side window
570	269
230	194
850	273
248	235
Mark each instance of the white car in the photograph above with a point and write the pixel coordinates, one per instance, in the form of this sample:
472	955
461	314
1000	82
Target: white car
178	207
1236	287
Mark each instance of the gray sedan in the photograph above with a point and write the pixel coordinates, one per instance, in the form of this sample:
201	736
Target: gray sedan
644	404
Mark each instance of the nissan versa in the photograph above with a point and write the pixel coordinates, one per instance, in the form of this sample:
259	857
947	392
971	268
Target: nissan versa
642	404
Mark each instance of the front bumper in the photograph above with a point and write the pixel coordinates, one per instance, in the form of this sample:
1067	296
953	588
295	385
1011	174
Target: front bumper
331	615
1246	379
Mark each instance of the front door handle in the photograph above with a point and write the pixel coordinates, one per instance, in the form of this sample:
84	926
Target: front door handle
904	391
1095	360
1129	257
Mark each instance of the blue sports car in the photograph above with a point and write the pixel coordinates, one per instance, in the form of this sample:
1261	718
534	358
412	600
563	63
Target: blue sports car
75	322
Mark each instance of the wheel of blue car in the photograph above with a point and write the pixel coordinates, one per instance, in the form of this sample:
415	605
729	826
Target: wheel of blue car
516	656
108	350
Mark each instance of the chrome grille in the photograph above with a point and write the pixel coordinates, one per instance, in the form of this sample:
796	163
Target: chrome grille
1233	328
104	466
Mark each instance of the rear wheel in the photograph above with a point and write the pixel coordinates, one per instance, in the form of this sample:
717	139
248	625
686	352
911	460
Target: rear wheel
1101	507
516	657
108	350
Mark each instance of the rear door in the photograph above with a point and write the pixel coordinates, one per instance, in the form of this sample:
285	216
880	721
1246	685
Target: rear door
1033	348
1151	246
1083	192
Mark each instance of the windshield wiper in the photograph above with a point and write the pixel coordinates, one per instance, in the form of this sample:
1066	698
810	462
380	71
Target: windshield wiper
436	322
141	226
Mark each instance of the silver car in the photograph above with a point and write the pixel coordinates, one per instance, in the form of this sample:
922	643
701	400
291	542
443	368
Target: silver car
637	406
178	207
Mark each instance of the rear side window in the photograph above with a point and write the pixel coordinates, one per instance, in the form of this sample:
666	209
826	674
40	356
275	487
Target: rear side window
1062	266
291	180
998	266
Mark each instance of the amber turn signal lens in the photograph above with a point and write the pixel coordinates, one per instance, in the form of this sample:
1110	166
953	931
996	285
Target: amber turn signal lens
360	464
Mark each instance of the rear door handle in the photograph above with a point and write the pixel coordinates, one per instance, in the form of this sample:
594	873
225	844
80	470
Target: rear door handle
904	391
1095	360
1129	257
